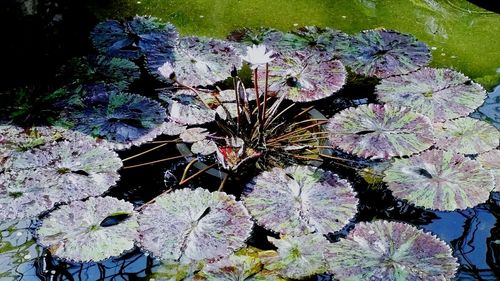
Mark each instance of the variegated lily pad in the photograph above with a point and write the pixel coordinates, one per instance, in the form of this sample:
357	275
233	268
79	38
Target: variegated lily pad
491	161
204	147
298	257
390	251
323	39
466	135
187	109
380	131
300	200
383	53
34	181
200	225
304	76
91	230
439	94
121	119
248	36
438	179
201	61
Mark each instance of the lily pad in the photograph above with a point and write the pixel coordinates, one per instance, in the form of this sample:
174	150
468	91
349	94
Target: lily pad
187	109
121	119
466	135
299	200
383	53
201	61
298	257
323	39
34	181
491	161
195	134
256	36
380	131
438	179
200	225
204	147
304	76
76	232
440	94
390	251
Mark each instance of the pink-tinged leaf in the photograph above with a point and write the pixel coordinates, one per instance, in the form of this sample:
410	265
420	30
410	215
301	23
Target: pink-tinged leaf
390	251
383	53
299	200
380	131
440	94
491	161
200	225
76	231
466	135
304	76
232	157
297	257
438	179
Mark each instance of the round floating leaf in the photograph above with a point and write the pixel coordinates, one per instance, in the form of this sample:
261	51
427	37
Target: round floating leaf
324	39
172	128
34	181
383	53
437	179
122	119
298	257
380	131
204	147
260	36
187	109
79	232
200	225
439	94
195	134
491	161
466	135
304	76
390	251
300	200
201	61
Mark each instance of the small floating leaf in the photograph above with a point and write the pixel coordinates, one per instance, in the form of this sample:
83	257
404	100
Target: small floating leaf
200	225
204	147
195	134
380	131
187	109
75	231
383	53
390	251
466	135
437	179
323	39
439	94
491	161
300	200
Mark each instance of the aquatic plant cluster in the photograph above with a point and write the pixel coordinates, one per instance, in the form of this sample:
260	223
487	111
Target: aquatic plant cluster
255	102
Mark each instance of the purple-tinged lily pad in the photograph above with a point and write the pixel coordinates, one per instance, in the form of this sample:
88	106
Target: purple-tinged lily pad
304	76
91	230
297	257
193	135
299	200
380	131
259	36
121	119
201	61
390	251
172	128
438	179
491	161
204	147
440	94
34	181
187	109
323	39
383	53
466	135
200	225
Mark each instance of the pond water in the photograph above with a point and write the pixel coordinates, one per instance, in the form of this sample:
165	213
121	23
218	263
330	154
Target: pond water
461	35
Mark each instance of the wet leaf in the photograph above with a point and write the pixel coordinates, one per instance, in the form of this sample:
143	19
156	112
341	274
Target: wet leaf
187	109
383	53
438	179
491	161
466	135
204	147
299	200
380	131
390	251
195	134
323	39
439	94
200	225
74	232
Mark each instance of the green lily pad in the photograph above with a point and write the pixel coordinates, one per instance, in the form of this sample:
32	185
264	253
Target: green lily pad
491	161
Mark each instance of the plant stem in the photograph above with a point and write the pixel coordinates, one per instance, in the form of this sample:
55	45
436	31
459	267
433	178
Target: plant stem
197	173
147	151
259	114
264	106
154	162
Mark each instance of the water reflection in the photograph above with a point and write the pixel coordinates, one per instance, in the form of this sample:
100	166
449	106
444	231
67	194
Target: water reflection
490	110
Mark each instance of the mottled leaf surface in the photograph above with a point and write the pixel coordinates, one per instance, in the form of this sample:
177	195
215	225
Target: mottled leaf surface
380	131
438	179
390	251
299	200
187	109
383	53
440	94
466	135
200	225
74	231
491	161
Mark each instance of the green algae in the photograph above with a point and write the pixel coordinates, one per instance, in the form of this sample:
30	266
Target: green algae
461	35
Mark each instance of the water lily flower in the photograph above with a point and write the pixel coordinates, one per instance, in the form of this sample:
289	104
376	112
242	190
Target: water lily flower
257	56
